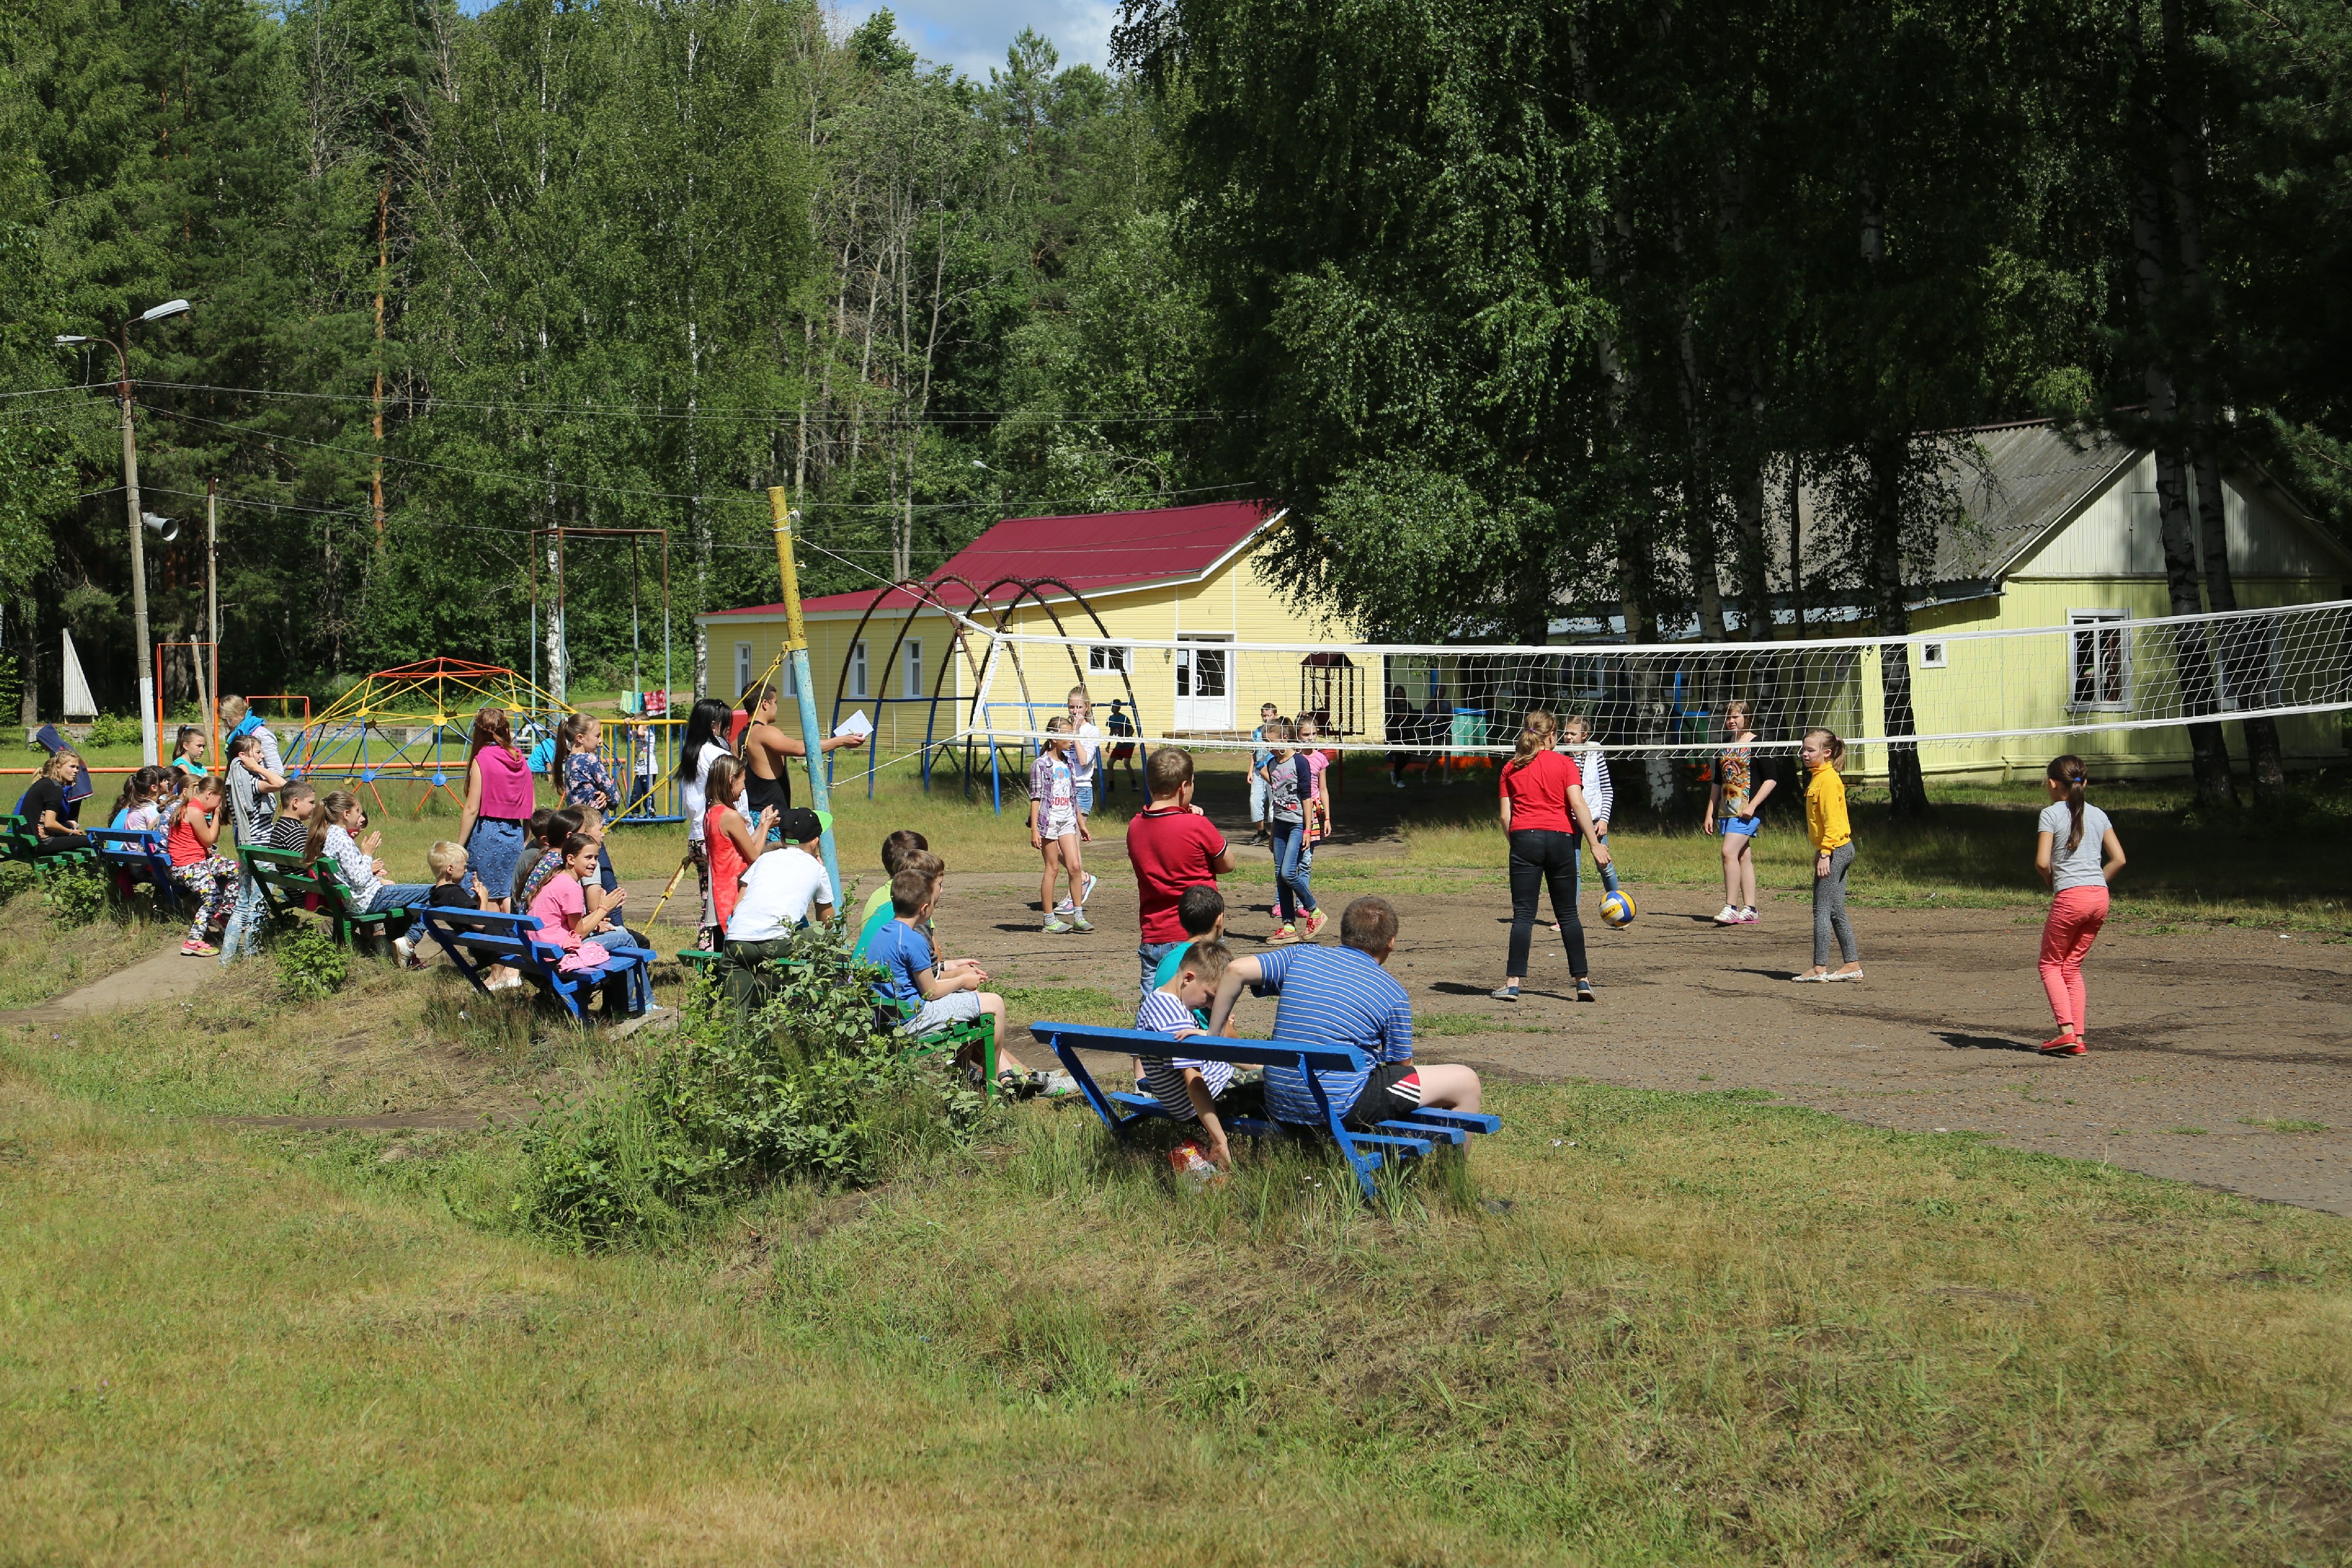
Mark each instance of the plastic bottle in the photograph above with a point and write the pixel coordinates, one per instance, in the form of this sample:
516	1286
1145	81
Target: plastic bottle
1194	1172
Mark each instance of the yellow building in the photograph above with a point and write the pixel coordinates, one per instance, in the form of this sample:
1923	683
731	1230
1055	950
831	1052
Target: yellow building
2065	535
1183	575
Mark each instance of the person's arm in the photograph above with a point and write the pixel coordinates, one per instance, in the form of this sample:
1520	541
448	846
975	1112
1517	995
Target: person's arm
750	842
473	806
1764	793
780	745
1204	1108
1713	799
2114	848
2043	843
1505	795
1581	815
1036	804
930	987
1250	971
205	825
1220	864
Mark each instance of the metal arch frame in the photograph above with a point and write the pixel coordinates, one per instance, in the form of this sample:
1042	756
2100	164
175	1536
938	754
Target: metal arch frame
924	595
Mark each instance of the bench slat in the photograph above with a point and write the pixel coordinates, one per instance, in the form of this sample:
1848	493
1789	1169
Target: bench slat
1467	1121
1457	1136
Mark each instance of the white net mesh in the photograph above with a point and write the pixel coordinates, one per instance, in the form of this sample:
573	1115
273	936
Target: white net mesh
2100	677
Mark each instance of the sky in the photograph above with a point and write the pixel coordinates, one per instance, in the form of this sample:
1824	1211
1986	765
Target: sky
972	34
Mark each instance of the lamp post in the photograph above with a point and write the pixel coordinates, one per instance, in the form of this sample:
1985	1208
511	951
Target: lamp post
148	737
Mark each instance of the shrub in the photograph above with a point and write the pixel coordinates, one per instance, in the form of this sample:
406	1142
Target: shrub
312	965
16	877
75	896
804	1087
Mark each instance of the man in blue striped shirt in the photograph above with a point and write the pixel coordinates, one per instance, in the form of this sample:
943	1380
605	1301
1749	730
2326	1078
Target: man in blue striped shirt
1342	996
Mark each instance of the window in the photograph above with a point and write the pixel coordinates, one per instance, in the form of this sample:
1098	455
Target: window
743	666
1931	656
1110	659
788	682
2101	648
857	669
913	652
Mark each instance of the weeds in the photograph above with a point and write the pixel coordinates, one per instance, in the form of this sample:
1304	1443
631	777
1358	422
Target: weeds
75	897
311	964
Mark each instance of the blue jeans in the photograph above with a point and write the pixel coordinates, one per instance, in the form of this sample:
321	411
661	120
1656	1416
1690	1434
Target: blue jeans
1149	954
243	933
1085	797
1291	893
397	896
1258	801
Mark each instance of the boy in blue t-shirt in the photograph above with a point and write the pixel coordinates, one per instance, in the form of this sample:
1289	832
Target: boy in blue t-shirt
1201	912
911	975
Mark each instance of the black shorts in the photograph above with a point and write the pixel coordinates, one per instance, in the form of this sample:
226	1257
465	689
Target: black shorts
1393	1089
1243	1100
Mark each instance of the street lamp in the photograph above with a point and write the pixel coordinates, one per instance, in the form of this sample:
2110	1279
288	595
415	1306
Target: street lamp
148	737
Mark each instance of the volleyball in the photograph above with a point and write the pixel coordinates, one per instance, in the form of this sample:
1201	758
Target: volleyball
1616	905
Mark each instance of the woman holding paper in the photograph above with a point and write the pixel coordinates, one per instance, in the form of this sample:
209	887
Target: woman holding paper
765	750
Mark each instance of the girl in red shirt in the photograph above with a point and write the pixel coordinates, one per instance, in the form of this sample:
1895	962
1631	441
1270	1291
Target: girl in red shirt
1543	812
209	878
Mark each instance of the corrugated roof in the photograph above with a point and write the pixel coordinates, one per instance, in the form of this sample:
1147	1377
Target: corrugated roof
1096	553
2028	477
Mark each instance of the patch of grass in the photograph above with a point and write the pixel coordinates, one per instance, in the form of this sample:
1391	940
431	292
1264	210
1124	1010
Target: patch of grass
2288	1125
2187	1132
38	959
1024	1004
1445	1026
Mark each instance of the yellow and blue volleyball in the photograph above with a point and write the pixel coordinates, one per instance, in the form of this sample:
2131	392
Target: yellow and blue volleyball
1617	908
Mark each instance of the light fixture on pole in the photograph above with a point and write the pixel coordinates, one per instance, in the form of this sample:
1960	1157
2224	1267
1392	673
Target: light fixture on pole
149	738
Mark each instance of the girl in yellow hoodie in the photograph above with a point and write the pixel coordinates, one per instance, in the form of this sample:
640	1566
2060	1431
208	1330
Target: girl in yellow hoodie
1832	836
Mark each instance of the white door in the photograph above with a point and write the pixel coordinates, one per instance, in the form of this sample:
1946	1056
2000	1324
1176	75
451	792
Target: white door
1205	691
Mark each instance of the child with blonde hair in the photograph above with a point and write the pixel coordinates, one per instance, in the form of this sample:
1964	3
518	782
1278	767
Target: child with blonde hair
1832	835
2077	852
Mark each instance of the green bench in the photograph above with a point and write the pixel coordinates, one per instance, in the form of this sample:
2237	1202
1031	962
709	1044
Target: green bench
288	887
21	840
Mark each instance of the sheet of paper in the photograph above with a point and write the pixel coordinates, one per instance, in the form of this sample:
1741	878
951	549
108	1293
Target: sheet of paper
856	724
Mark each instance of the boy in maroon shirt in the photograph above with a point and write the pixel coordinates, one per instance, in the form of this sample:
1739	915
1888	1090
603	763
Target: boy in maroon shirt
1173	846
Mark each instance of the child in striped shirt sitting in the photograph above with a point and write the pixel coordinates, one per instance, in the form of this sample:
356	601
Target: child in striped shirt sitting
1189	1090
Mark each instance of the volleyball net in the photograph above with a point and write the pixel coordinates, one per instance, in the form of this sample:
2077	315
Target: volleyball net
2102	673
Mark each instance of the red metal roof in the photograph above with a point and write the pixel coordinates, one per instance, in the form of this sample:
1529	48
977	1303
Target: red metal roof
1092	554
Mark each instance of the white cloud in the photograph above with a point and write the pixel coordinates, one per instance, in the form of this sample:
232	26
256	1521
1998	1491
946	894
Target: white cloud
972	34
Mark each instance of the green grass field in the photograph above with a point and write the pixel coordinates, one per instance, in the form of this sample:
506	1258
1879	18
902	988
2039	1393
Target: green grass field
1631	1328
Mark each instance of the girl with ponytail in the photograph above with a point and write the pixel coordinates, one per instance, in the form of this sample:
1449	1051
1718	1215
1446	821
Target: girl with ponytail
2077	854
1544	815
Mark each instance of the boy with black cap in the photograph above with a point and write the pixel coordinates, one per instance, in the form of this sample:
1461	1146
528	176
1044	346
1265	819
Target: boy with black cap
780	889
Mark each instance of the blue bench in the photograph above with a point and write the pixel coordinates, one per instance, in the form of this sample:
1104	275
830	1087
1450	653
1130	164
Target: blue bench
137	855
1401	1138
476	939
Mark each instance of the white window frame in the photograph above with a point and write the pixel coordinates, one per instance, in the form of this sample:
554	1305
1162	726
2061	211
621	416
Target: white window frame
743	666
857	669
1935	655
913	651
2089	628
1110	658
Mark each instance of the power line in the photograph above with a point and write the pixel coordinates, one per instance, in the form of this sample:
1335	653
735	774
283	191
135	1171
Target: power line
657	411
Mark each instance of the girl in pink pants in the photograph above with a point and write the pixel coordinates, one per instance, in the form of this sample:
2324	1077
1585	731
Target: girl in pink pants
2076	854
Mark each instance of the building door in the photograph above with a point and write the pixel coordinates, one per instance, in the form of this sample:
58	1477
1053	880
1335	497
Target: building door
1204	692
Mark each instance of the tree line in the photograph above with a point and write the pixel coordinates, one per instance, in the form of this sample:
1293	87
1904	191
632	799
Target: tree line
1523	310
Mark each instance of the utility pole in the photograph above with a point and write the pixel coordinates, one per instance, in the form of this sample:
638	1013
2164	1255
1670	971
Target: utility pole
796	651
143	653
141	649
212	603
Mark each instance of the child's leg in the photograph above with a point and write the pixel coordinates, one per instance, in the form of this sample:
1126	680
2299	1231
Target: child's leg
2057	942
1747	871
1449	1087
1052	854
1073	865
1731	843
1284	847
2090	916
994	1006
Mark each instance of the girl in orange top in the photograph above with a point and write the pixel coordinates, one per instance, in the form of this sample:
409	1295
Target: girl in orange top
732	842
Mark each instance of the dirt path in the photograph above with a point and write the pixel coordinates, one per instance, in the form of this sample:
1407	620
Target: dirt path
164	975
2202	1043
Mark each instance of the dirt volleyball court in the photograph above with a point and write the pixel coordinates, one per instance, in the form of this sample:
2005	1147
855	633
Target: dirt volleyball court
2220	1056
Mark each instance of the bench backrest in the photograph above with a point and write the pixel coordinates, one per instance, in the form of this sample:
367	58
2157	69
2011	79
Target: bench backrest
1205	1047
129	846
510	938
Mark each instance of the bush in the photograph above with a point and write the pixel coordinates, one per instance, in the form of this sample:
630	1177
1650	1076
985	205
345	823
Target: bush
113	729
16	877
75	896
806	1087
312	965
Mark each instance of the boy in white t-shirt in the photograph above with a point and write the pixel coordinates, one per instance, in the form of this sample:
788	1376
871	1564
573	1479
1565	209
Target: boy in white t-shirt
780	889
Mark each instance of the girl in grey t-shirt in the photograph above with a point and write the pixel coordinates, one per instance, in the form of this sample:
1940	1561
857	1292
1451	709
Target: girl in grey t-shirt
2076	852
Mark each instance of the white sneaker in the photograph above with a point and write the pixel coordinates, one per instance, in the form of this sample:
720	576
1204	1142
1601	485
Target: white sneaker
404	949
1086	890
1748	915
1066	908
1726	916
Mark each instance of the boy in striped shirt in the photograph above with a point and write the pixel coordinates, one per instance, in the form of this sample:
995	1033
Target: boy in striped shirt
1344	997
1189	1090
